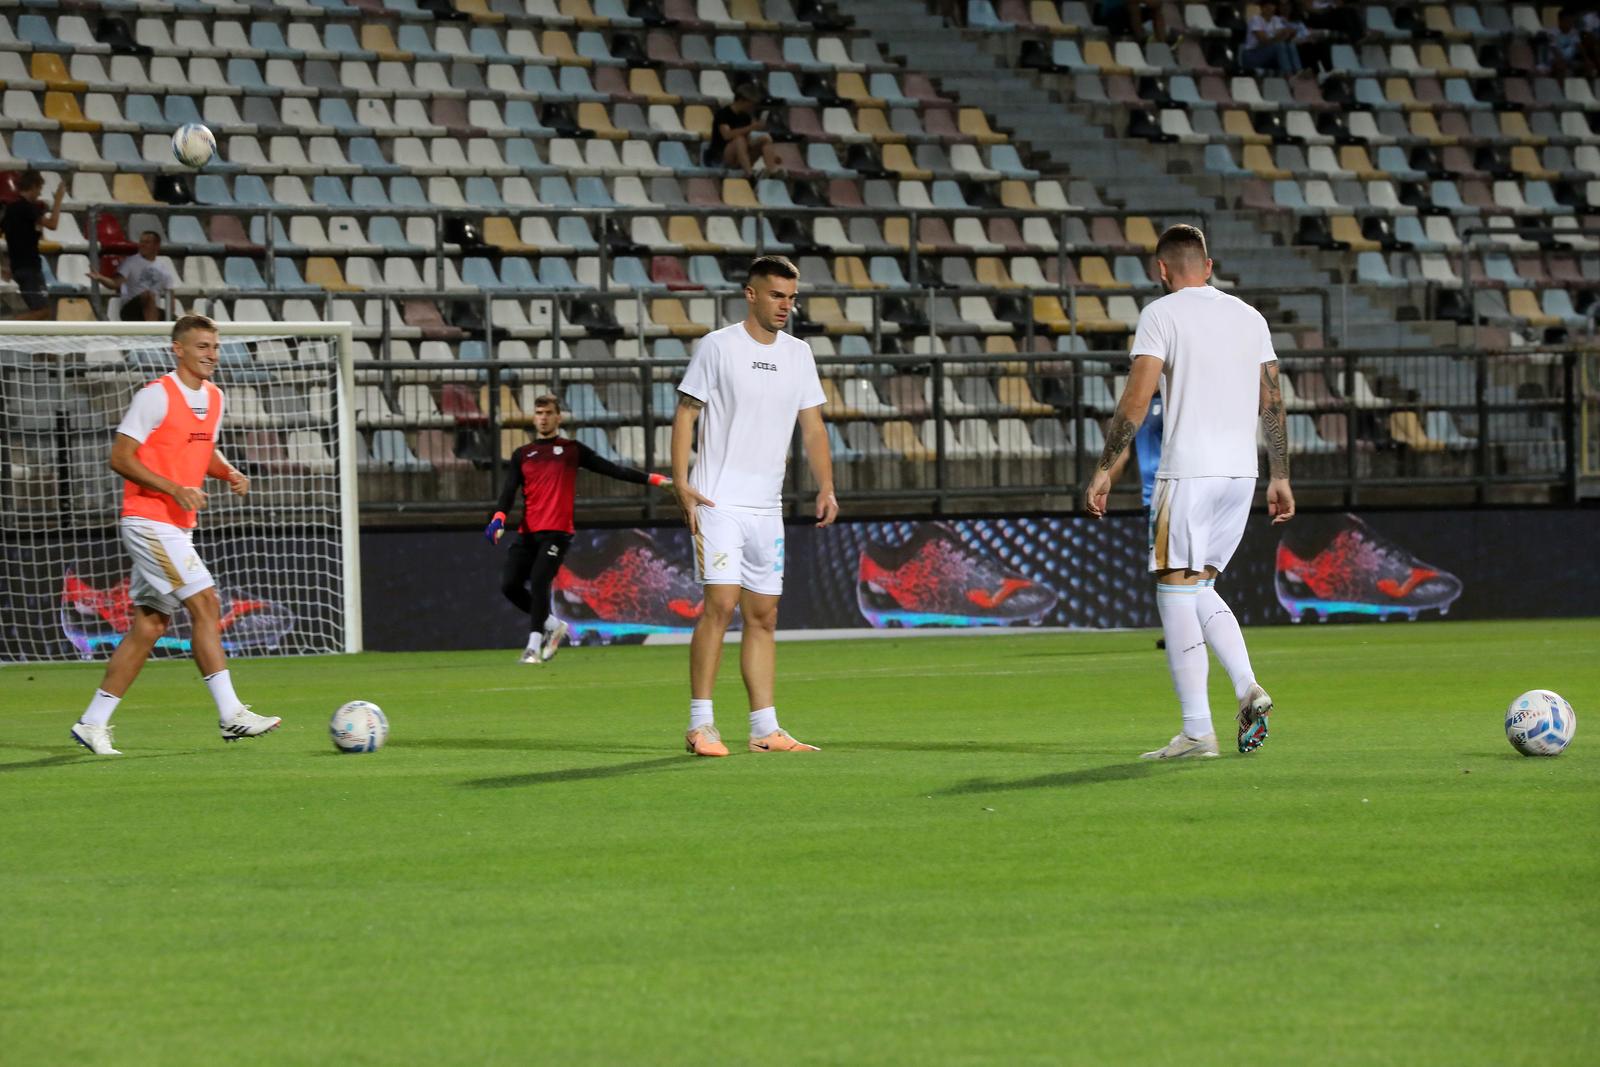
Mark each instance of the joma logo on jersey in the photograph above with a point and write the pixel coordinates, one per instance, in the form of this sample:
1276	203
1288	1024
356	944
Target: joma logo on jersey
199	435
758	365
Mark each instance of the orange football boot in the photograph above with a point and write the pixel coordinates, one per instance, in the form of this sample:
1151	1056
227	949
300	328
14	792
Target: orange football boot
780	742
704	741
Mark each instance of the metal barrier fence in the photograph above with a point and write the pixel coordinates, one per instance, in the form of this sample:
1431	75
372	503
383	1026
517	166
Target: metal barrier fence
974	431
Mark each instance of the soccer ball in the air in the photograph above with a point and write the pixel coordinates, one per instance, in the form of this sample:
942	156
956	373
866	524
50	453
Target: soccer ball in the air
193	145
359	726
1540	723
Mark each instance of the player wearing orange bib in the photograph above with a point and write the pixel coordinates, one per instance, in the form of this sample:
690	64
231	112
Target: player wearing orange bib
164	449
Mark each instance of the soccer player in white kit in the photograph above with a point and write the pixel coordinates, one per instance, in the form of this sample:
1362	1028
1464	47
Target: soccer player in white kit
747	385
1211	355
164	449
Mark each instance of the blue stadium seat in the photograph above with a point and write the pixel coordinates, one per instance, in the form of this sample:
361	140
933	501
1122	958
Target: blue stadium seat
286	277
241	273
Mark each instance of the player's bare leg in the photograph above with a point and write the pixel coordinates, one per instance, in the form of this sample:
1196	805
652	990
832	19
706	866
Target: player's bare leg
93	730
758	656
705	657
234	719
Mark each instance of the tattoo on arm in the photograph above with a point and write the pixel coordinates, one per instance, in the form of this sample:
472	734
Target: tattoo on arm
1273	424
1118	439
687	401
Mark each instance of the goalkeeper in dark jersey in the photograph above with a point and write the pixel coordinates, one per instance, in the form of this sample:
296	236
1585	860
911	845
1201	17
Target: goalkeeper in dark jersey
546	470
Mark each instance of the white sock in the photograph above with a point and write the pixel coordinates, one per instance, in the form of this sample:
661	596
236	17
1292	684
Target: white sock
699	714
763	721
1186	655
535	638
1222	633
100	708
221	686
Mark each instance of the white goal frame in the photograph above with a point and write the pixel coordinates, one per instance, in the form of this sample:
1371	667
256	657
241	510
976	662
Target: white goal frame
348	455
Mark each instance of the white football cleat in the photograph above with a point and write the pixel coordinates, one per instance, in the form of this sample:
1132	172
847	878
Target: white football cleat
531	655
246	723
1185	747
552	640
96	739
1253	710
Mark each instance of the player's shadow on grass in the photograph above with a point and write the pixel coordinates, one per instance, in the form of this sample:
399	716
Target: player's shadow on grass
1014	747
1113	772
518	744
578	774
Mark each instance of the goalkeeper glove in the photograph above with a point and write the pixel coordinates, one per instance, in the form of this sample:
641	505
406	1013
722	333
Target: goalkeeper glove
496	526
660	479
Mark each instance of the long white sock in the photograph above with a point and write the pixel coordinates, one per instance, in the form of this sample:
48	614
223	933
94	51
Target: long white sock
100	708
1186	655
763	721
1222	633
221	686
699	714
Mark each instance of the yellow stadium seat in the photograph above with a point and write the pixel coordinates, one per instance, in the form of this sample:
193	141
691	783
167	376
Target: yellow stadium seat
593	116
737	192
582	12
1099	54
1436	18
1432	56
1425	124
826	312
902	437
131	189
897	233
502	233
74	309
1354	158
853	87
685	230
975	124
1017	195
1237	123
1405	427
324	271
1398	91
1345	228
834	406
1049	314
1141	231
1525	161
897	159
749	12
1257	158
63	108
47	67
1096	272
478	11
557	45
990	271
644	82
1043	14
851	272
1014	393
377	37
697	120
670	315
1092	317
874	122
1525	305
1514	125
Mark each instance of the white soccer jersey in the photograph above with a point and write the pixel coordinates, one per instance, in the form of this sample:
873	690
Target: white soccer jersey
1212	346
752	395
149	408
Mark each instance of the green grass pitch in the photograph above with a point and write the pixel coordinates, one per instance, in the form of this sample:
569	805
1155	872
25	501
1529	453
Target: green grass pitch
976	869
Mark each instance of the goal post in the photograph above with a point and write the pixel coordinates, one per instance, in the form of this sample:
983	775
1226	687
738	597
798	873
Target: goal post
286	557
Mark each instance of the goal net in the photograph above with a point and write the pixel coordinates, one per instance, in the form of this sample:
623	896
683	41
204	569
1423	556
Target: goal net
284	557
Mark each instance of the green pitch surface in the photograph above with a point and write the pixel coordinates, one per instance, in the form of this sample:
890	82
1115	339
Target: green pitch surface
976	869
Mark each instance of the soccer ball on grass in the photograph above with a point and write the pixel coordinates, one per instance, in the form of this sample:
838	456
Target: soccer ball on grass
359	726
1540	723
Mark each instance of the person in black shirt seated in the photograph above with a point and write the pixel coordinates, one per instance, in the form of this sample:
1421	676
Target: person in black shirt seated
736	134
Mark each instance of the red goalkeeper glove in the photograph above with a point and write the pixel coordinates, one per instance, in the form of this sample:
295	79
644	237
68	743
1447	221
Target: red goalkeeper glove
496	527
660	479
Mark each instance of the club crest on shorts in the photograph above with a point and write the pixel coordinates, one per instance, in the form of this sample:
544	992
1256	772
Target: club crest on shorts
719	561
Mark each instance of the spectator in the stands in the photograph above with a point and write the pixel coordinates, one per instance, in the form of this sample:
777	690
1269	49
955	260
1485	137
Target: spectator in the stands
1568	50
1339	17
739	135
21	223
1127	18
143	280
1269	42
11	304
1310	44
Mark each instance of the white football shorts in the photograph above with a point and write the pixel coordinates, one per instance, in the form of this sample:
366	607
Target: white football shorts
1197	523
742	548
166	568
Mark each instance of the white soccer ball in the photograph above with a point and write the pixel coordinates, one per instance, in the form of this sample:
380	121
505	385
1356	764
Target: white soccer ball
1540	723
359	726
193	145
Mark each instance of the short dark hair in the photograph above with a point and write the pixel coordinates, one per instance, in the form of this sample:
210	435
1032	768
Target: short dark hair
772	267
546	400
29	179
1180	241
150	233
192	322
